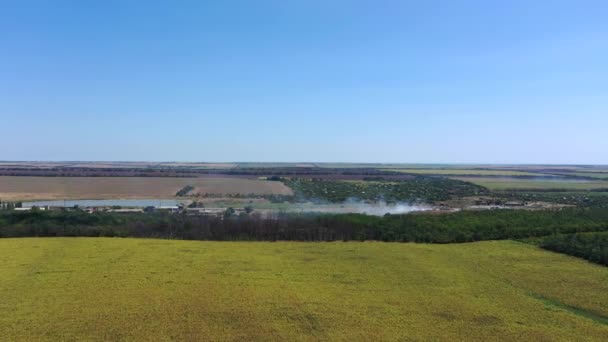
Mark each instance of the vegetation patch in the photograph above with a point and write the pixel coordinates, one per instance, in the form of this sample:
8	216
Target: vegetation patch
184	191
419	188
584	199
514	183
592	246
141	289
458	227
465	172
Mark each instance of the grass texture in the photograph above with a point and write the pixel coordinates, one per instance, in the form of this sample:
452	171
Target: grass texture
140	289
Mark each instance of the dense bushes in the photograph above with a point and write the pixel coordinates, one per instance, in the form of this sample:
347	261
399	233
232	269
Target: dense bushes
418	188
184	191
588	199
467	226
462	226
590	246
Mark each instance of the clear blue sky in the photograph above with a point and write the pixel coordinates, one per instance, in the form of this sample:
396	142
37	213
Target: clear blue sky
352	81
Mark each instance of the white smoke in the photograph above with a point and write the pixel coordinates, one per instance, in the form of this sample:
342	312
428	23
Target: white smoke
357	206
380	208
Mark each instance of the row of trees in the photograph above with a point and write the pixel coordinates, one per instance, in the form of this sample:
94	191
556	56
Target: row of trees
184	191
590	246
10	205
465	226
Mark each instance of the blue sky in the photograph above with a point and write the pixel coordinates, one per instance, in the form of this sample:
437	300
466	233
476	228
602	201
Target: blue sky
349	81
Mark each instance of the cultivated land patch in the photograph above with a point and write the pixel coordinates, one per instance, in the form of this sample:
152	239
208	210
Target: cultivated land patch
216	185
465	172
507	183
595	174
199	165
32	188
136	289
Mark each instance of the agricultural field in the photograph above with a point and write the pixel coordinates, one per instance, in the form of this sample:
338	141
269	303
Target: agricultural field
216	185
452	172
138	289
364	165
595	174
107	165
270	165
48	188
507	183
198	165
456	186
549	168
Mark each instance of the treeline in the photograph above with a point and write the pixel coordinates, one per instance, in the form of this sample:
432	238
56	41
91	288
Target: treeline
184	191
590	246
464	226
10	205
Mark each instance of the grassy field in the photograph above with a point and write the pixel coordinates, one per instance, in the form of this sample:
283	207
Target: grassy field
32	188
541	184
465	172
598	174
114	289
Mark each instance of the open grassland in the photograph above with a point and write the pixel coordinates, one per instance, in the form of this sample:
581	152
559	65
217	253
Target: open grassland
32	188
591	174
539	183
480	172
115	289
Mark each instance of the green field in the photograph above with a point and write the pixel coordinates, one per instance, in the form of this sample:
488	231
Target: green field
598	175
540	184
465	172
136	289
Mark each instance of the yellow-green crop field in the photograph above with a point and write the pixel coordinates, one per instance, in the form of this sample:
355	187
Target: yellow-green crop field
138	289
598	175
540	184
480	172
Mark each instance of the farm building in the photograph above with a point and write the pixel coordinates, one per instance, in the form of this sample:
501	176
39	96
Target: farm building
126	210
206	211
211	211
30	208
169	208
